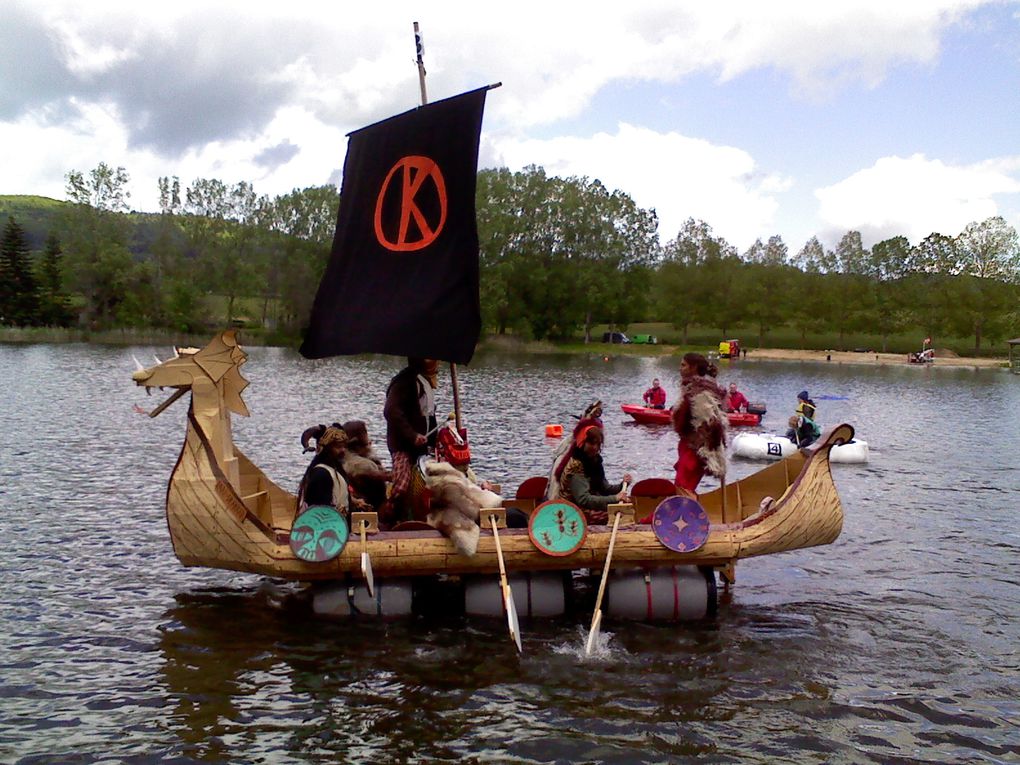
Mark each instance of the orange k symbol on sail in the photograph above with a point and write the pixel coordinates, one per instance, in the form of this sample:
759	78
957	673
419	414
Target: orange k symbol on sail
413	172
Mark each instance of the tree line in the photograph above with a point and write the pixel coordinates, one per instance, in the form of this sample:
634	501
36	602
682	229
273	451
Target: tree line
557	255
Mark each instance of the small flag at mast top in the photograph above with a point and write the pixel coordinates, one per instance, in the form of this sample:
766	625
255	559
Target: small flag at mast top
419	43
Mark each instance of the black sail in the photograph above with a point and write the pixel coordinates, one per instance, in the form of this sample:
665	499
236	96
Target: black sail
402	278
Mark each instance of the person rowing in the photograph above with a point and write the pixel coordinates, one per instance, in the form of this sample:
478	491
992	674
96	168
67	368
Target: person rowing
735	400
655	397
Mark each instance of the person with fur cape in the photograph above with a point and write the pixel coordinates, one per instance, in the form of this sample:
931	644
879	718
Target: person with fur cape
700	421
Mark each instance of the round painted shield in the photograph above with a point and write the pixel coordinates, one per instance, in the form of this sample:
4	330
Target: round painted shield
318	534
681	524
557	527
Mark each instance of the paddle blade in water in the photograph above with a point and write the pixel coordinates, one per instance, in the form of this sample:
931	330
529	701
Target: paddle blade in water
511	619
366	570
593	633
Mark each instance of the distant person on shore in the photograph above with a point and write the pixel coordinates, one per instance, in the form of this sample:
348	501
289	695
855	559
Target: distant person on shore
735	400
655	397
582	480
700	422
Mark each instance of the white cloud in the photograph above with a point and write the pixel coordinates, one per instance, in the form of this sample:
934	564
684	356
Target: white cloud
915	196
202	90
680	177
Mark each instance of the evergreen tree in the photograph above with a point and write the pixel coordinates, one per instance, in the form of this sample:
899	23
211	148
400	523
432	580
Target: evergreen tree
54	310
19	295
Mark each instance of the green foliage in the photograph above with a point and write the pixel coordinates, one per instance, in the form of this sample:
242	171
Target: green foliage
95	237
19	293
559	258
557	254
54	306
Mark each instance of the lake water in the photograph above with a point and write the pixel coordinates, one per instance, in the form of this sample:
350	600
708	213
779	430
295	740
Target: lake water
896	644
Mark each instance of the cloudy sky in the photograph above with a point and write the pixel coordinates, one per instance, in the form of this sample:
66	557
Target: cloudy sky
793	118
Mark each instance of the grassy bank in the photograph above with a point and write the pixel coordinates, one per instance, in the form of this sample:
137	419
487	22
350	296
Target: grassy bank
785	337
777	345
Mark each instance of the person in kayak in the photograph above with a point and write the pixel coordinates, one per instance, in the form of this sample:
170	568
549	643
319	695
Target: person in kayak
700	422
735	400
655	397
582	479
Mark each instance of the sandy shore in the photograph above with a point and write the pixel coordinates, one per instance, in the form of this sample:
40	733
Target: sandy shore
849	357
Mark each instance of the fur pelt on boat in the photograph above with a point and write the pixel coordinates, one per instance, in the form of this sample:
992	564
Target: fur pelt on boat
456	504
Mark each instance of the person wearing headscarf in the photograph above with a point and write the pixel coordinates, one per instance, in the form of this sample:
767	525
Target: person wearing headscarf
410	413
592	415
324	482
700	422
582	479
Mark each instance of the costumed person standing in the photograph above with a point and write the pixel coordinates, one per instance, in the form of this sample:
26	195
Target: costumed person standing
325	482
582	478
410	413
655	397
700	422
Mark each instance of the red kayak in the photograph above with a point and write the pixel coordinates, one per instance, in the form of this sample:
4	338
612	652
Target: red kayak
648	416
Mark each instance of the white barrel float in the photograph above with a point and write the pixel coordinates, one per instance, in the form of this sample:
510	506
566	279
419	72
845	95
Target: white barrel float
855	451
674	593
393	597
536	593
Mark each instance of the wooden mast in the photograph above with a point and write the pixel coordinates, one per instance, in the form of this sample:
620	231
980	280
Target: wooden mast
419	46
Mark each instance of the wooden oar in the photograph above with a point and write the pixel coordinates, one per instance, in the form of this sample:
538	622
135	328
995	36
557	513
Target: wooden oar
596	619
366	560
508	596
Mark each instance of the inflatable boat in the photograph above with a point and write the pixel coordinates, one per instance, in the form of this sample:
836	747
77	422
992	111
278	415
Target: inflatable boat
765	446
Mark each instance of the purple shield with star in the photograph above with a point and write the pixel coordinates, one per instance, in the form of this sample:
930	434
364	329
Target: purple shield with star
681	524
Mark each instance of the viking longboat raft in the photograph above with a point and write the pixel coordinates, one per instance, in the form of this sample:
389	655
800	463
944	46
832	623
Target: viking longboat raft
224	512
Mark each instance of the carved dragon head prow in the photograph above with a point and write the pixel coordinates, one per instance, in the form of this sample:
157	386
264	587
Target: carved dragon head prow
213	371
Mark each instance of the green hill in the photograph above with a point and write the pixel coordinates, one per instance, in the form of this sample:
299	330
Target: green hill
38	216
